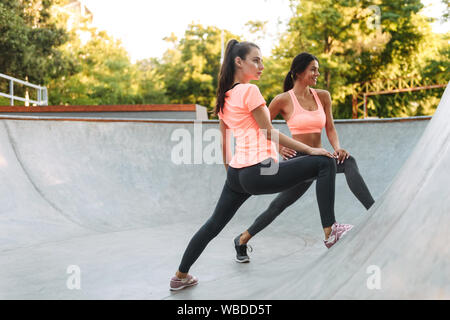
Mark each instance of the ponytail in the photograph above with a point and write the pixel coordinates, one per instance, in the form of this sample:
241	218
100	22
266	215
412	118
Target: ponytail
226	76
288	82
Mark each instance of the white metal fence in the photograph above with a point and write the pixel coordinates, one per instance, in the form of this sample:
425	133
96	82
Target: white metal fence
42	99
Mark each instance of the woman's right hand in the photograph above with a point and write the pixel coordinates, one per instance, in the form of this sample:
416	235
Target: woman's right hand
321	152
286	152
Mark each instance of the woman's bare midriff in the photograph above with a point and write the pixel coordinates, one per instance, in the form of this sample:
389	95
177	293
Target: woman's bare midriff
311	139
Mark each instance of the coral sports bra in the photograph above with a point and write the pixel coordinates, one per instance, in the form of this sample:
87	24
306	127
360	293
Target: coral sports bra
304	121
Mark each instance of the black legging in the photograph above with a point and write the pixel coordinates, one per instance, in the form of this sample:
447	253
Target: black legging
244	182
289	196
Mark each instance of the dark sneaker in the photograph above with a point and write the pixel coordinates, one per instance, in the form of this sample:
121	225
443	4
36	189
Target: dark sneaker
241	251
178	284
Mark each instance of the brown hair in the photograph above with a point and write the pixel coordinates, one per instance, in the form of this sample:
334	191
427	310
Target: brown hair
228	69
299	64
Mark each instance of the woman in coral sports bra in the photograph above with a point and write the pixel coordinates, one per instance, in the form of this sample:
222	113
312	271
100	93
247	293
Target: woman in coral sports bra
306	111
242	110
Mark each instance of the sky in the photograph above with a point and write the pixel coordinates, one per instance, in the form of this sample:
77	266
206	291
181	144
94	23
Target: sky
141	25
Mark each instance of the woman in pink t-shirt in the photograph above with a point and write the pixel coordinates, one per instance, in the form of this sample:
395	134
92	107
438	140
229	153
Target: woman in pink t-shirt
254	168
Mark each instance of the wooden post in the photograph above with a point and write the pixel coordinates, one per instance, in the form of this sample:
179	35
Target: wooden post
354	106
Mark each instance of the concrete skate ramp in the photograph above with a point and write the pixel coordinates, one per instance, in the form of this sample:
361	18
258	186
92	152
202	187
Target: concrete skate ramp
106	198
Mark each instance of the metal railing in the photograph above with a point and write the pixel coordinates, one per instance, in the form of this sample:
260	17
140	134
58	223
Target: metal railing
42	98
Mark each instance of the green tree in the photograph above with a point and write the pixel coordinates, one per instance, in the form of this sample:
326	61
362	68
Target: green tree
105	73
30	42
356	41
190	68
151	85
429	64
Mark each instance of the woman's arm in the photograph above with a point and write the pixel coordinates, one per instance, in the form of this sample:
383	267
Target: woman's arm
330	128
274	135
226	149
276	106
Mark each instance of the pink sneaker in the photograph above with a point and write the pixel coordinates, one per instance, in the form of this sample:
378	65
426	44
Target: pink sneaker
337	232
178	284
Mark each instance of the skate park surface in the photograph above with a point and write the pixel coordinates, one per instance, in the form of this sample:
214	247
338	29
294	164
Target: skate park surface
106	198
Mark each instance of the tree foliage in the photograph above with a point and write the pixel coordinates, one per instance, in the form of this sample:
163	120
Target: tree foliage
30	41
356	41
105	74
190	68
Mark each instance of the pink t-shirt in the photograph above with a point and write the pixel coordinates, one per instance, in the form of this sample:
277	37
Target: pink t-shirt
252	145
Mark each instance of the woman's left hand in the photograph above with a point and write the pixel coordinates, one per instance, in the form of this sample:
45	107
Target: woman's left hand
341	155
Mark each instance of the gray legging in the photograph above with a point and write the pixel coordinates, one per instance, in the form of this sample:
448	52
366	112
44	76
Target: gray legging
289	196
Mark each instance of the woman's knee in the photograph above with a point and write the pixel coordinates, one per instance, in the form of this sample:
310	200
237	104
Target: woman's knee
350	163
327	162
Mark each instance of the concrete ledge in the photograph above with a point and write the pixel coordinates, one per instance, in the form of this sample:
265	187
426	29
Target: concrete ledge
160	111
103	108
100	118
